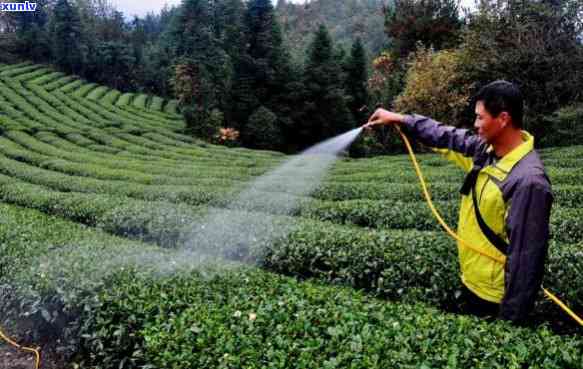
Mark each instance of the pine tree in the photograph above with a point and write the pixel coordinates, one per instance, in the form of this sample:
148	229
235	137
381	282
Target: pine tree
264	44
196	38
66	36
233	41
356	80
326	111
192	30
262	73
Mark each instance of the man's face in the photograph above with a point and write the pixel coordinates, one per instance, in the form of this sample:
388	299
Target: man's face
486	125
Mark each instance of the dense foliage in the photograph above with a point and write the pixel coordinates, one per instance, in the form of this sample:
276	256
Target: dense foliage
435	86
535	44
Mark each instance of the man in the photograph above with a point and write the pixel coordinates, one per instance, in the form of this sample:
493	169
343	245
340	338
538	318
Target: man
507	184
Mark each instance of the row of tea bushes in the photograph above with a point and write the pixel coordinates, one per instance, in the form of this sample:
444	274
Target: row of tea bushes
122	314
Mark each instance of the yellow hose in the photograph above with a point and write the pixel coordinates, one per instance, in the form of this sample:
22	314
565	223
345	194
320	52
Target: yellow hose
455	236
22	348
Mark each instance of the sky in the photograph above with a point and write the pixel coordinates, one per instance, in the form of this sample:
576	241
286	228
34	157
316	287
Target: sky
141	8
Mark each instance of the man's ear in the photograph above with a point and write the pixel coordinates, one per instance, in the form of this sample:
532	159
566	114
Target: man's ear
504	119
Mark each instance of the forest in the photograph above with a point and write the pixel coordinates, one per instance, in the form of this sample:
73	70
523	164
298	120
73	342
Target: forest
284	76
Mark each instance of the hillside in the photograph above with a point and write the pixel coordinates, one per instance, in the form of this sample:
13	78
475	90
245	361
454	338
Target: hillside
101	196
345	19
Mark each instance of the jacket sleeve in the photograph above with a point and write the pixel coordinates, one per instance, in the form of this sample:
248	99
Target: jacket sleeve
456	144
528	231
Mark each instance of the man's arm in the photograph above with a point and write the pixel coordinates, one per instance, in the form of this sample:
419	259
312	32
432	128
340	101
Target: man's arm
457	145
528	225
438	135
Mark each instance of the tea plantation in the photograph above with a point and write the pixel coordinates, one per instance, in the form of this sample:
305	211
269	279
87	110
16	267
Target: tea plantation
99	190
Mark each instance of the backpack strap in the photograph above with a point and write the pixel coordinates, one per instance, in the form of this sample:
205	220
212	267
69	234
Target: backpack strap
470	183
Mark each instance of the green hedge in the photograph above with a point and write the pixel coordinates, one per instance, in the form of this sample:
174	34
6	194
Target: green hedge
196	170
29	112
171	107
250	319
51	271
405	264
100	316
125	99
27	77
47	79
84	90
111	97
565	223
383	213
156	103
140	101
76	148
71	86
188	194
98	93
59	83
18	69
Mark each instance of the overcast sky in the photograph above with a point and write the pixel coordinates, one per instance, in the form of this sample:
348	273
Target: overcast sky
140	8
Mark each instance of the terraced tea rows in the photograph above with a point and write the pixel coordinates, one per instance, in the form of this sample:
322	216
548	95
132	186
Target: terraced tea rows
99	190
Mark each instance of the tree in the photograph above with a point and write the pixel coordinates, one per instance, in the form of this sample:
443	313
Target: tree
157	69
66	34
535	44
262	131
386	81
115	62
356	80
263	74
265	47
326	112
433	23
32	40
158	53
435	86
192	30
200	66
237	83
345	19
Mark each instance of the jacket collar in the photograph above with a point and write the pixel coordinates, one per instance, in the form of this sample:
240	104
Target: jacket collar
509	160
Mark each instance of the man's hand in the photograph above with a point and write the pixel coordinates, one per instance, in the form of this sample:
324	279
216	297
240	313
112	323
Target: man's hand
383	117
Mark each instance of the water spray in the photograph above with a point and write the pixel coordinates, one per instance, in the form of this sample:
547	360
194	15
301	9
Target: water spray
231	230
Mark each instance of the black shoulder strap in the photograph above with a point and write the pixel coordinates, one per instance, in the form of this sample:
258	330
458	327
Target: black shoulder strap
494	239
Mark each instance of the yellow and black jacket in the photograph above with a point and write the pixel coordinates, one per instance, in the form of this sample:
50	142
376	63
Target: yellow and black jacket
514	198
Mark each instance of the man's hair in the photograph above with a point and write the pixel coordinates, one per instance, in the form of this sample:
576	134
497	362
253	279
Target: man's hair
500	96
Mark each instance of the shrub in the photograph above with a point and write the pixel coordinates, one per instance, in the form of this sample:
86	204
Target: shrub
201	123
262	130
435	86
